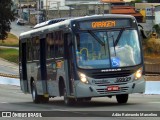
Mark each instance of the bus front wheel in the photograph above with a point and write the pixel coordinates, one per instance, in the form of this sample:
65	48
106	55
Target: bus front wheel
68	101
86	99
122	98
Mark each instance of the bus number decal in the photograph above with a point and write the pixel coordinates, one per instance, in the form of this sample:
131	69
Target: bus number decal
123	79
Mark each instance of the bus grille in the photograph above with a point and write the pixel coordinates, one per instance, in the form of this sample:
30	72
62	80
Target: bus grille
100	75
104	91
108	83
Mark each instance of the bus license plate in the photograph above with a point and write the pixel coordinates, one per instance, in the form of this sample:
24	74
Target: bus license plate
113	88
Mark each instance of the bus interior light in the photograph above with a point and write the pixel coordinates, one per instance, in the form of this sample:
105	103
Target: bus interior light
83	78
138	74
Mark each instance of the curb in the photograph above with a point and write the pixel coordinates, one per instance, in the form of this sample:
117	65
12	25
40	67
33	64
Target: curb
8	61
9	75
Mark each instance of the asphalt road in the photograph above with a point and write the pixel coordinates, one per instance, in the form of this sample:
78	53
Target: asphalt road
12	99
18	29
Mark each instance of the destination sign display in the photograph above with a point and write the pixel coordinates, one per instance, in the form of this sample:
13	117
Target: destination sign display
104	24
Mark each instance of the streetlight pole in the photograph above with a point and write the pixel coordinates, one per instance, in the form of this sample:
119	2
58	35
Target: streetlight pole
70	11
46	9
58	5
152	16
28	11
38	11
20	9
39	4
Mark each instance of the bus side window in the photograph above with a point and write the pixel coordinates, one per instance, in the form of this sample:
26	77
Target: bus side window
29	50
59	44
50	45
35	48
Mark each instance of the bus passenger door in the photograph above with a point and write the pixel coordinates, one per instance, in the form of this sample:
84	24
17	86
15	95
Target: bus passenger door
69	57
23	67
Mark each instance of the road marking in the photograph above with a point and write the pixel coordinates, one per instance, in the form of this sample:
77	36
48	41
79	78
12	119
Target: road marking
3	102
70	111
59	110
79	112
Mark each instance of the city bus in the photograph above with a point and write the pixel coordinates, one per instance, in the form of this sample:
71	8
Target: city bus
81	58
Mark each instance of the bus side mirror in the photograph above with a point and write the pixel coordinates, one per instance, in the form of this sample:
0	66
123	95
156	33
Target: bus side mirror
142	32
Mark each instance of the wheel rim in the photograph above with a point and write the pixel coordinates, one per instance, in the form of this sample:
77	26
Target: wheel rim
33	92
65	97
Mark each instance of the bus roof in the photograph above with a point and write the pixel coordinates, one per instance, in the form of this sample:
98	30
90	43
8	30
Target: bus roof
42	27
49	22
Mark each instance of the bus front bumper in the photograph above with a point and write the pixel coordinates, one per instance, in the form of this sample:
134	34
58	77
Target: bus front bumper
87	90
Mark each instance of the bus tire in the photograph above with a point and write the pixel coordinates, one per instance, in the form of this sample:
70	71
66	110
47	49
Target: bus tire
123	98
68	101
35	97
38	98
88	99
44	99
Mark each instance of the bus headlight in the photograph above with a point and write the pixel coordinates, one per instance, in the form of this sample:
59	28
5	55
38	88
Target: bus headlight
83	78
138	74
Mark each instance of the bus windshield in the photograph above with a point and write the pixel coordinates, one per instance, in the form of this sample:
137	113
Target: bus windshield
107	49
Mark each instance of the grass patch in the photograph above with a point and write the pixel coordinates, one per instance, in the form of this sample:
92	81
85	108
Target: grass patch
11	55
11	40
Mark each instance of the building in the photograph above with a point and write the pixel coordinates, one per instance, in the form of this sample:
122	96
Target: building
53	4
127	10
149	12
50	9
157	14
148	7
22	3
73	8
120	7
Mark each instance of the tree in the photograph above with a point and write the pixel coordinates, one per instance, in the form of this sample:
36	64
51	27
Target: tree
6	16
137	1
157	28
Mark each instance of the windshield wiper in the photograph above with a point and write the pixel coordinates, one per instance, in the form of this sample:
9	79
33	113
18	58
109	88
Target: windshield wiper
118	38
97	38
113	44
